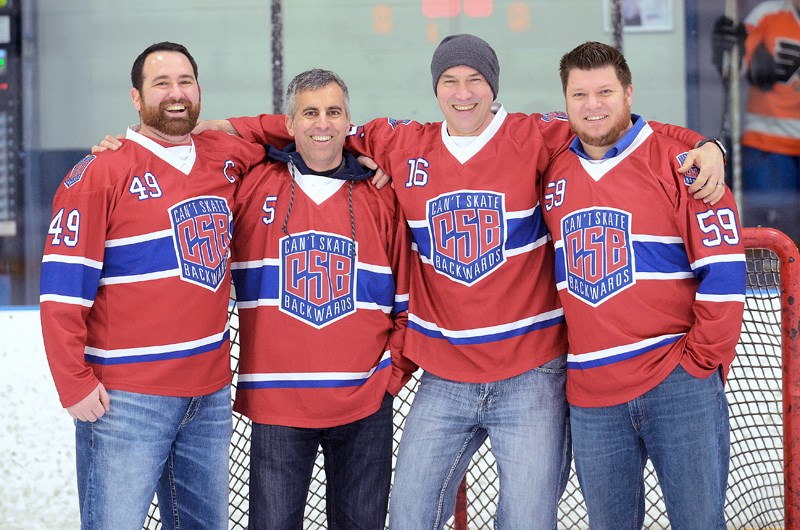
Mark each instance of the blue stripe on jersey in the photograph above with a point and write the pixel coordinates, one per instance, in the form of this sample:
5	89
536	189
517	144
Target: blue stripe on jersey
478	337
521	231
400	304
421	237
262	283
144	257
524	231
375	287
145	358
300	382
649	257
573	362
257	283
69	279
721	278
658	257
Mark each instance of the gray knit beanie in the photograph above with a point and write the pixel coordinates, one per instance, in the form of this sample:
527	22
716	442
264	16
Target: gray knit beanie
466	50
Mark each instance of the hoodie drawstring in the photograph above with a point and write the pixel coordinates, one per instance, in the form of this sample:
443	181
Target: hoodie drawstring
285	226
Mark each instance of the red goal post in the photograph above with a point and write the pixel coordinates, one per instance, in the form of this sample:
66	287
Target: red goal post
764	399
789	285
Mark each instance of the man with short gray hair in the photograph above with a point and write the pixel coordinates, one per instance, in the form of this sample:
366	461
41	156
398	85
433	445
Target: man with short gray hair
321	276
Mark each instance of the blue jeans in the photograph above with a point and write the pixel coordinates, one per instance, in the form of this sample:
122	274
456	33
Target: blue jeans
525	419
174	446
358	470
682	426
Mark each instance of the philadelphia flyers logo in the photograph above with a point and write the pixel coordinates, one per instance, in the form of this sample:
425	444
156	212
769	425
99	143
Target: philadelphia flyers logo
202	233
468	232
598	253
318	277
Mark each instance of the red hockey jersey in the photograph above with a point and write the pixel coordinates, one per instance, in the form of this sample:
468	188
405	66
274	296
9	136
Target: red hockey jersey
483	303
322	316
135	279
648	276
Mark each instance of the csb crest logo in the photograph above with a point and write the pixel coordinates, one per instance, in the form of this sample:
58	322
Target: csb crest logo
690	176
468	232
202	233
77	171
318	277
598	253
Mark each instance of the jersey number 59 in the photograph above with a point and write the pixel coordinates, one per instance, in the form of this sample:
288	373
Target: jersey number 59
720	225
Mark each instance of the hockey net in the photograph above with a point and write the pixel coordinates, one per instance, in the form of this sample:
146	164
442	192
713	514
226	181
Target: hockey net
764	399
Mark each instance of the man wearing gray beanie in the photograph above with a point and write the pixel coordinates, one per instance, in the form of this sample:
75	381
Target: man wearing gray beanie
484	321
466	50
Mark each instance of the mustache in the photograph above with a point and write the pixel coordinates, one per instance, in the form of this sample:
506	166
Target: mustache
185	102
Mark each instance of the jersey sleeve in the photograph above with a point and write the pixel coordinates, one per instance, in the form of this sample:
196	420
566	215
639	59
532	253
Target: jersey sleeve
265	129
681	134
755	31
400	254
70	275
713	239
555	130
239	155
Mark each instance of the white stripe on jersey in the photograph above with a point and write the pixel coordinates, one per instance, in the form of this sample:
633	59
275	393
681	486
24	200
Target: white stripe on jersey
380	269
617	350
663	275
719	297
273	302
647	238
374	306
527	248
71	300
261	302
155	350
490	330
521	214
116	280
152	236
273	262
720	258
77	260
312	376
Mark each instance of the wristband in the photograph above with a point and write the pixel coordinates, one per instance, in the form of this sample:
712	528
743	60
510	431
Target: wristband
718	143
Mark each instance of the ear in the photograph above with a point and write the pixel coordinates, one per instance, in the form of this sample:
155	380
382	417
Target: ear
289	125
136	98
629	94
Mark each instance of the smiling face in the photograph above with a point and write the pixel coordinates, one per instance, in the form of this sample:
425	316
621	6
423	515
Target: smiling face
599	108
466	101
169	101
319	125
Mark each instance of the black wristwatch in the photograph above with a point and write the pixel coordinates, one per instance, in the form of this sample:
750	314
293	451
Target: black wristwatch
719	144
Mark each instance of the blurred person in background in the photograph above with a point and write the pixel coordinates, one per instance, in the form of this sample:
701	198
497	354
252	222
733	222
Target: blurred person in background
770	38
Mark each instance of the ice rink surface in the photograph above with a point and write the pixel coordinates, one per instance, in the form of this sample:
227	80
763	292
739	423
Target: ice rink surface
37	444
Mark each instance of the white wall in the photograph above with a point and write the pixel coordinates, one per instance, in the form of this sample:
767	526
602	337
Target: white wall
37	443
86	48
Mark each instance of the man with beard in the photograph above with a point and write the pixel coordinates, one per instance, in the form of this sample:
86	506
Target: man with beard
134	294
652	283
